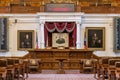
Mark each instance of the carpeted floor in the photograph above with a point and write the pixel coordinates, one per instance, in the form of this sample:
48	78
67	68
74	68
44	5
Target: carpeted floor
61	77
70	75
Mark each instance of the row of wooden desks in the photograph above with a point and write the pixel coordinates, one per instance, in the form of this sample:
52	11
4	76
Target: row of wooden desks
11	69
107	68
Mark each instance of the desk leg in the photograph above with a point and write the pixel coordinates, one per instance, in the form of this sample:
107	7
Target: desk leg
61	70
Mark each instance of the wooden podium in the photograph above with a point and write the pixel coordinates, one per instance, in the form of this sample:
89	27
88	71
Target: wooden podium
53	59
61	64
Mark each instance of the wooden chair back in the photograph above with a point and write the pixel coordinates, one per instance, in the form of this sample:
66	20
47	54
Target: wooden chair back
10	61
3	63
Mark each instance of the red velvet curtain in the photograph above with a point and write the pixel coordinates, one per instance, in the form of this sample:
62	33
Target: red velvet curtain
60	26
50	26
68	27
74	36
49	39
46	35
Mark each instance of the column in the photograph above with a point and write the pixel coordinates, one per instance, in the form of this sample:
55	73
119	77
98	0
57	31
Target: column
78	42
42	42
38	35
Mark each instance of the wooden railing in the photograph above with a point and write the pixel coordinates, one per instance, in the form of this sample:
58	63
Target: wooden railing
11	69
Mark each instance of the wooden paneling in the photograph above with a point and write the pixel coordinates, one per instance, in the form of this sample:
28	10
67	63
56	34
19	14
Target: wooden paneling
78	8
100	9
49	57
84	4
115	1
32	0
4	4
15	2
42	8
4	9
24	9
46	65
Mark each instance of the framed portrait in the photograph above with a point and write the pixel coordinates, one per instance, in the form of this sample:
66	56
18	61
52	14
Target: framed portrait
25	39
95	38
60	39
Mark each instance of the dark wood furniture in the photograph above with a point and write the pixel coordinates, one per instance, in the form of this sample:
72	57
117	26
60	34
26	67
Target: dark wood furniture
61	64
34	65
48	57
100	68
10	69
112	68
117	71
3	65
88	65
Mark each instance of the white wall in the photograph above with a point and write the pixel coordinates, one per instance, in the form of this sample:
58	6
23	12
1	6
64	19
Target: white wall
31	22
102	20
23	23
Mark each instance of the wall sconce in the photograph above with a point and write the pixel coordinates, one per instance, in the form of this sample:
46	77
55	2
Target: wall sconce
15	21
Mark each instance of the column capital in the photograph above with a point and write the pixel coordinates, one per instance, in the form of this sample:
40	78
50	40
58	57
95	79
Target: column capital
78	22
42	22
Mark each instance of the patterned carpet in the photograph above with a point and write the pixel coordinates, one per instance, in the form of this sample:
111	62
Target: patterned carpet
61	77
70	75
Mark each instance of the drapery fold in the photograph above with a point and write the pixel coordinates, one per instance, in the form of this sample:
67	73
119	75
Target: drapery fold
65	27
60	26
70	26
50	26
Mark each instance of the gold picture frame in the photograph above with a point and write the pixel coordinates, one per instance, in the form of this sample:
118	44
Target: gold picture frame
25	39
60	40
95	38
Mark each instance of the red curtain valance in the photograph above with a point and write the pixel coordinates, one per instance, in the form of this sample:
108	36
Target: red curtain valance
70	26
60	26
50	26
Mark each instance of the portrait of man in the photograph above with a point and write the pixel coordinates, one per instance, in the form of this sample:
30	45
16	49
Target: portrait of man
25	39
96	41
95	38
26	43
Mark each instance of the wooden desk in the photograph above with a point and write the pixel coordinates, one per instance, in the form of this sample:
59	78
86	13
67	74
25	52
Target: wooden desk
48	57
61	64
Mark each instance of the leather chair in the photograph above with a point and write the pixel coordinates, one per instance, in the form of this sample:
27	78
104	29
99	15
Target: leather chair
112	68
10	69
88	65
103	65
33	65
26	67
3	65
22	69
16	69
117	70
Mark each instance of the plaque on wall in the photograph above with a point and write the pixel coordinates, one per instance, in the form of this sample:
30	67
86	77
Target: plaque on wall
59	7
3	34
60	40
117	34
